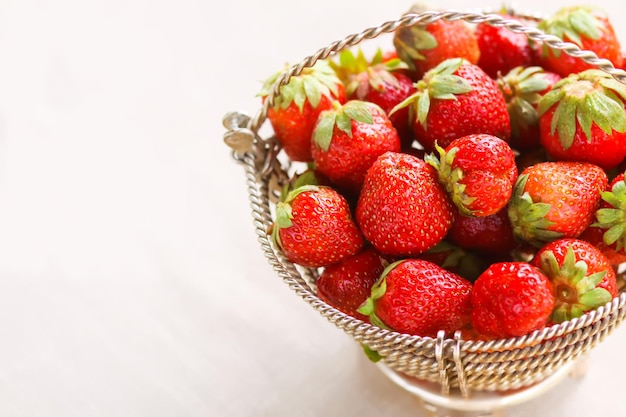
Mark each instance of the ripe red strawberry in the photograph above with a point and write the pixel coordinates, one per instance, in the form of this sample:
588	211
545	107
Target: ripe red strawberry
555	199
478	171
295	111
348	139
314	227
501	49
402	209
583	119
420	298
347	284
423	47
586	26
522	88
608	232
453	100
380	81
489	235
582	278
511	299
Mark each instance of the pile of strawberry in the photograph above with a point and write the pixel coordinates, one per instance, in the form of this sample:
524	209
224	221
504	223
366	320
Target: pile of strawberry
465	179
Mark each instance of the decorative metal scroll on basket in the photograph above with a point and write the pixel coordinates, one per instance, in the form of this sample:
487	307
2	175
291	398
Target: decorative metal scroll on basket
496	365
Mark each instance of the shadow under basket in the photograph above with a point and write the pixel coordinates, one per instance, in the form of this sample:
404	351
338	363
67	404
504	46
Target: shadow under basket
465	369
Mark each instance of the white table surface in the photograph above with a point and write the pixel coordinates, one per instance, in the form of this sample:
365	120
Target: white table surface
131	281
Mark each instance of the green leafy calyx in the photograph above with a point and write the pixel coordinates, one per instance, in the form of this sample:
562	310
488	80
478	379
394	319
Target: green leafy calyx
360	76
284	216
522	88
528	218
575	290
412	42
439	83
368	308
451	176
312	83
613	218
582	100
342	118
572	24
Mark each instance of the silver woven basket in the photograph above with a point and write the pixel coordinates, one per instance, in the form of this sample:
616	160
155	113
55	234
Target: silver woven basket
447	360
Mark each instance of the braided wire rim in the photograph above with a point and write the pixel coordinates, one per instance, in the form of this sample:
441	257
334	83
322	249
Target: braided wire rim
375	337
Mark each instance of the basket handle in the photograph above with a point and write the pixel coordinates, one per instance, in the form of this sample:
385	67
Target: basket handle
242	131
425	18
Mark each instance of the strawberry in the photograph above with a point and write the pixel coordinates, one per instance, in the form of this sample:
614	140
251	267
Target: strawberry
522	88
347	284
555	199
583	119
478	172
588	27
314	227
453	100
581	275
489	235
296	109
347	140
402	209
420	298
501	49
511	299
423	47
608	232
380	81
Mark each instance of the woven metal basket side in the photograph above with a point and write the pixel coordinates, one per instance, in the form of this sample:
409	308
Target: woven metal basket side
422	357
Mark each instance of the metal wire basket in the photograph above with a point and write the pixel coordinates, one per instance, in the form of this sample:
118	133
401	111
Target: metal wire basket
447	360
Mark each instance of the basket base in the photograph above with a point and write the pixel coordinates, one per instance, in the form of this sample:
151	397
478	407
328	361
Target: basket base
481	404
